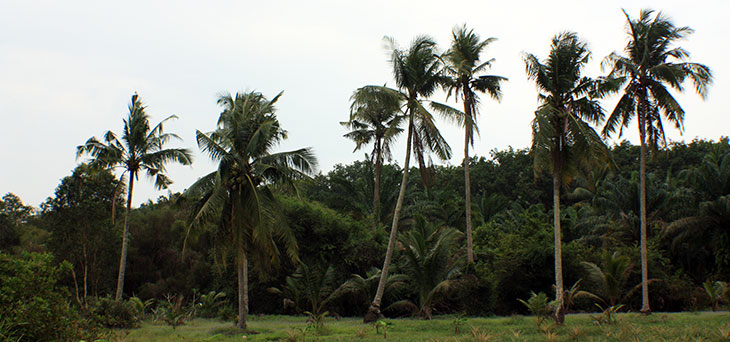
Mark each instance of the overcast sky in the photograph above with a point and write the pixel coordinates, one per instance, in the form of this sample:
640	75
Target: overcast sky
69	68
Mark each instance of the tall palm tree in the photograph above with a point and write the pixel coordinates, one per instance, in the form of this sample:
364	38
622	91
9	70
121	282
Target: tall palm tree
416	73
562	141
238	193
375	116
463	65
652	63
141	148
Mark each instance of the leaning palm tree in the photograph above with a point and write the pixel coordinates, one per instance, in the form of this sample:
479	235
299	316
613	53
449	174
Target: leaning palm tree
237	193
652	63
463	65
375	116
141	148
562	141
416	73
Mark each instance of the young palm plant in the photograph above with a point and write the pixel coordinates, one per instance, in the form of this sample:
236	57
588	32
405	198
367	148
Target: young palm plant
238	195
462	66
430	261
416	73
563	142
140	149
651	63
610	281
375	116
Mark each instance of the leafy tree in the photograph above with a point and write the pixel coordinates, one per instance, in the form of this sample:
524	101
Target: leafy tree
375	116
652	63
238	192
562	140
416	73
13	213
78	217
463	64
141	149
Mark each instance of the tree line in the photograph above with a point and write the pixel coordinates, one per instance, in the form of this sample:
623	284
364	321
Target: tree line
454	245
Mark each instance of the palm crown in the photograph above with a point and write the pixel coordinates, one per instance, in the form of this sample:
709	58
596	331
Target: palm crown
250	221
568	102
141	148
651	63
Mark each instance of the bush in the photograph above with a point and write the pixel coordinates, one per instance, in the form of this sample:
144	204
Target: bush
112	314
32	306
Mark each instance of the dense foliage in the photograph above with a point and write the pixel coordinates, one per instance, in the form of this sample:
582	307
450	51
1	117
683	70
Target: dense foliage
319	245
688	238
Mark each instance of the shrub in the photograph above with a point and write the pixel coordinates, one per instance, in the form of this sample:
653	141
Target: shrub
113	314
32	306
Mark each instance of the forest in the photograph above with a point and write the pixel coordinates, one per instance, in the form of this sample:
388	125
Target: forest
569	224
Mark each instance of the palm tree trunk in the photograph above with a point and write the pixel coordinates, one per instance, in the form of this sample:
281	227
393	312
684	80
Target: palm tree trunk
125	242
559	312
373	313
242	289
86	275
376	191
114	198
645	309
467	195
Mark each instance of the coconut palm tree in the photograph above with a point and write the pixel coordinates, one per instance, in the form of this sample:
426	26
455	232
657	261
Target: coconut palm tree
562	140
140	149
651	63
375	116
463	65
416	73
237	193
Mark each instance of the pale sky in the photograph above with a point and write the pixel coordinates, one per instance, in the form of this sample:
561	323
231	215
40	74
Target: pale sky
69	68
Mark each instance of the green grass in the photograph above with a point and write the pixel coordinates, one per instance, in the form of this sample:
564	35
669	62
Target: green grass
629	327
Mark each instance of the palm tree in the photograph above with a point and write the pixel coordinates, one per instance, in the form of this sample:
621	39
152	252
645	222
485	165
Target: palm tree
610	281
463	65
416	73
312	286
375	117
429	261
141	148
704	237
365	287
238	193
562	141
652	63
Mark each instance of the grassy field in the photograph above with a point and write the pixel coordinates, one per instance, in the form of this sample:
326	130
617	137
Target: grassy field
628	327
